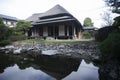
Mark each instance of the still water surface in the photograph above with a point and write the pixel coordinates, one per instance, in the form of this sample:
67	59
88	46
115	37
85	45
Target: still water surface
46	68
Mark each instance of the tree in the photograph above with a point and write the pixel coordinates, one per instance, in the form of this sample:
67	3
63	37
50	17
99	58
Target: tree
21	26
115	4
110	47
87	22
5	33
107	17
116	22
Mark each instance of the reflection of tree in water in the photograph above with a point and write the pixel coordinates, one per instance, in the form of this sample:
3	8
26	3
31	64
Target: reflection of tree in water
87	61
5	61
55	66
95	62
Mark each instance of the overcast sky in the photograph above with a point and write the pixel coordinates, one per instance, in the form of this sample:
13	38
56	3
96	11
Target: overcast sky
80	9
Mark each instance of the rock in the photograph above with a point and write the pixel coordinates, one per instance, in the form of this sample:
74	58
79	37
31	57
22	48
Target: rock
49	52
17	51
9	51
68	54
29	49
25	59
34	51
84	50
9	47
61	46
24	51
3	49
110	70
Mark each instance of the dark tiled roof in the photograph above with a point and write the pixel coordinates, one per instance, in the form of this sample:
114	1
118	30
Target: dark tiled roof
54	15
8	17
34	17
56	10
53	21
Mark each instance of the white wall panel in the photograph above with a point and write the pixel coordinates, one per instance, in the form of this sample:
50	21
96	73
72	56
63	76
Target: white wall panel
45	31
61	30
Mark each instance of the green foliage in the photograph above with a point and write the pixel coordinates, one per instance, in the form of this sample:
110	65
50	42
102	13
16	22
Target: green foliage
117	21
1	22
88	22
115	4
5	42
17	38
86	34
103	33
110	47
5	33
19	30
55	41
21	26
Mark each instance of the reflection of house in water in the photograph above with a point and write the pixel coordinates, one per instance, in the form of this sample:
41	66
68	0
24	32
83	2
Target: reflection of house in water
9	20
58	67
44	67
55	23
55	66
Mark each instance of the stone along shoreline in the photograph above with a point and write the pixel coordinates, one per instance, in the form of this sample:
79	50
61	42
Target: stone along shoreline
88	51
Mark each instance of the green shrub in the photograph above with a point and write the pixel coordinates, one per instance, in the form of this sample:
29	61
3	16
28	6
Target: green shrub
86	34
17	37
110	47
4	42
103	33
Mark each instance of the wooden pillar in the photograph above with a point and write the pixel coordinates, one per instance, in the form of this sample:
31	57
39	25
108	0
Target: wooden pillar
45	31
67	30
32	32
35	32
72	31
54	32
39	31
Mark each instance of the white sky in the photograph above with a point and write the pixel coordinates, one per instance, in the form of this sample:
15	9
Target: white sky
80	9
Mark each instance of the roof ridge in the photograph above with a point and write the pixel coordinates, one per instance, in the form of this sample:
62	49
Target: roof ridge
58	5
57	9
37	13
9	17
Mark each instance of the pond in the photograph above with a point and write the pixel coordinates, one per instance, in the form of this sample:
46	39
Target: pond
45	67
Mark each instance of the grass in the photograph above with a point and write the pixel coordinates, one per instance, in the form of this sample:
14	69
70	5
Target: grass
54	41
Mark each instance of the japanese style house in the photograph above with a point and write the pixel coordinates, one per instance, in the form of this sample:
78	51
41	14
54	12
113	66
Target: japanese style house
9	20
56	23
